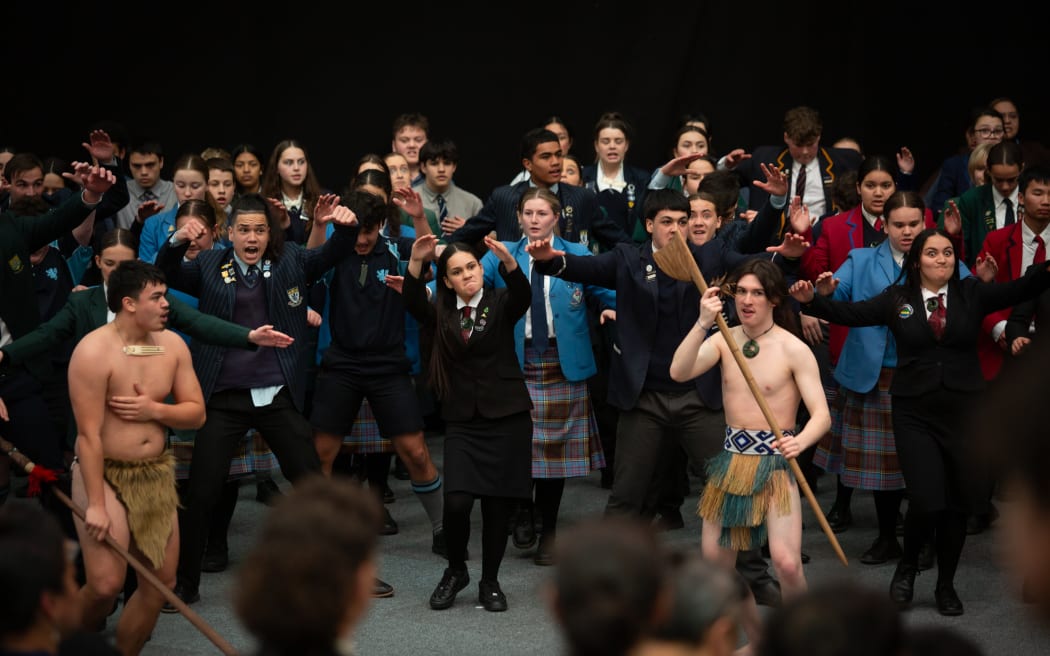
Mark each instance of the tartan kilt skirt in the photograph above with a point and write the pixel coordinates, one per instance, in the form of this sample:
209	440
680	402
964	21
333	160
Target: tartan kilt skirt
565	442
252	455
860	446
364	436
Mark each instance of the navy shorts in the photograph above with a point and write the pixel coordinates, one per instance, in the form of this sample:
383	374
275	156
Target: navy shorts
338	395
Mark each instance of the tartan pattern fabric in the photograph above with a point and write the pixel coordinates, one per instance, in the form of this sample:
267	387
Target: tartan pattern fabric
364	436
860	446
253	455
565	442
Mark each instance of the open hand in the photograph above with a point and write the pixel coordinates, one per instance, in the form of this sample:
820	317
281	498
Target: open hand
133	408
802	291
267	336
543	249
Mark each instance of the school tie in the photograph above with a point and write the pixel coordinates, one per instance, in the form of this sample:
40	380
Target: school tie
1040	251
442	208
878	224
538	311
251	276
937	317
466	324
148	195
800	184
1009	211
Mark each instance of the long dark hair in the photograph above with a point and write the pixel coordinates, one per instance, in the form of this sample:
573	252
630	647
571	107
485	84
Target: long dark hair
910	278
445	304
772	280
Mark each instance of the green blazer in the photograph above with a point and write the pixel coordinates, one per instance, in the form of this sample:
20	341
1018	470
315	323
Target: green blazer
432	220
85	311
977	209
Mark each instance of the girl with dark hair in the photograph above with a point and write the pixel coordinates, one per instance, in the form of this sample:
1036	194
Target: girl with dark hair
248	168
475	373
935	318
291	184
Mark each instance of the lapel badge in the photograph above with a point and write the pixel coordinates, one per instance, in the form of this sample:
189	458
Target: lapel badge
295	299
905	311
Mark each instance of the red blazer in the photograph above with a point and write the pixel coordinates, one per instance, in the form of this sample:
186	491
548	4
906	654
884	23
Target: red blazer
1007	247
837	236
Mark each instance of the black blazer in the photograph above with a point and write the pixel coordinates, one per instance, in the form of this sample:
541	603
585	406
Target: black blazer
484	376
624	208
582	220
1037	309
286	290
833	162
923	363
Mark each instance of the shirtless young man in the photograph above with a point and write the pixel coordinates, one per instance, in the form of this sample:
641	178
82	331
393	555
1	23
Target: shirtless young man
119	377
750	492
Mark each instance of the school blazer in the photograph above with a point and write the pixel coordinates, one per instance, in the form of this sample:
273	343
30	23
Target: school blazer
833	162
923	363
628	212
484	376
1024	313
569	305
19	237
85	311
865	274
208	277
1007	247
977	209
582	220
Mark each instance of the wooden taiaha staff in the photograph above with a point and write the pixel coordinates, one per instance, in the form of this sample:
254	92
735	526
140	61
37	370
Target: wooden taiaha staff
38	475
677	261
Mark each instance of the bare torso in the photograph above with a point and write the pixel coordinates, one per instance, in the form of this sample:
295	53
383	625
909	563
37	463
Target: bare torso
154	374
771	370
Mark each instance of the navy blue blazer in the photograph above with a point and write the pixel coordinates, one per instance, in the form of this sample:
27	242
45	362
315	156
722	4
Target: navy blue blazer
833	162
630	270
625	207
582	219
209	278
953	180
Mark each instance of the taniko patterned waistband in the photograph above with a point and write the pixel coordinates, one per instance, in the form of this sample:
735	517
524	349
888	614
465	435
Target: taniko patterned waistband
751	442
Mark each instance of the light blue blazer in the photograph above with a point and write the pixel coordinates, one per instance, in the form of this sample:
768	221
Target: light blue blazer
568	301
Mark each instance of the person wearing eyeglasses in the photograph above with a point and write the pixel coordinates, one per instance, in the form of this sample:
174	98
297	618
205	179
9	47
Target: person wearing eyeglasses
1034	151
985	126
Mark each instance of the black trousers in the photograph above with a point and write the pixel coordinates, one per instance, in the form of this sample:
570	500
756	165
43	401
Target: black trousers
230	415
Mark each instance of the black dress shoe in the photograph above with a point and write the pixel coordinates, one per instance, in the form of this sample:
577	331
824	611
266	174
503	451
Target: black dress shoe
382	589
389	526
767	593
839	519
524	531
927	556
266	491
186	596
215	562
544	555
491	597
902	587
451	583
948	603
882	550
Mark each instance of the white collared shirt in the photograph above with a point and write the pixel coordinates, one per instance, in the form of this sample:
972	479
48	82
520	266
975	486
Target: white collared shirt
898	257
474	302
1000	207
1029	245
616	182
814	197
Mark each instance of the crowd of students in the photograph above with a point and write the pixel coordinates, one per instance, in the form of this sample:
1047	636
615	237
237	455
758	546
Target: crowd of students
538	331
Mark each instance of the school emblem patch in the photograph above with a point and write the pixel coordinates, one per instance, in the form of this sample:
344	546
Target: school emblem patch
295	299
905	311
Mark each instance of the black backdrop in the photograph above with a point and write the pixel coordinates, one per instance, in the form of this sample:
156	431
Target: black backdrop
334	76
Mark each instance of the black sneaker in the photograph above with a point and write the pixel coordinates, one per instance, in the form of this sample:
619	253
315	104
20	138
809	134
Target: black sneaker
452	581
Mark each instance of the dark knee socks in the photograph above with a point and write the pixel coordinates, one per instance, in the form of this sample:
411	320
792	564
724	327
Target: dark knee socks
457	527
495	512
548	499
887	506
951	535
